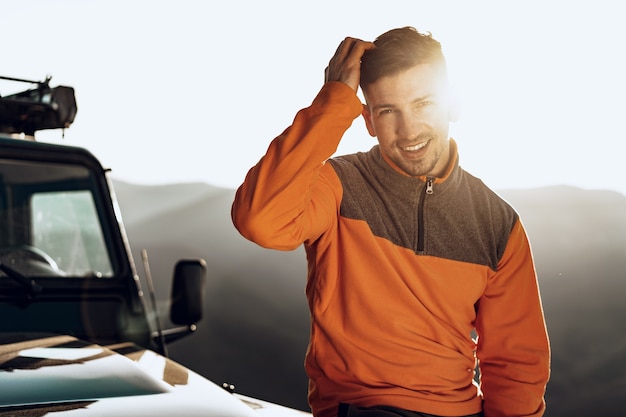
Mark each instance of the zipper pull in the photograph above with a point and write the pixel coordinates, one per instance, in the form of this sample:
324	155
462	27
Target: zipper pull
429	185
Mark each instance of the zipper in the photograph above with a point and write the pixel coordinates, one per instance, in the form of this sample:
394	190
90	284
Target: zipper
428	190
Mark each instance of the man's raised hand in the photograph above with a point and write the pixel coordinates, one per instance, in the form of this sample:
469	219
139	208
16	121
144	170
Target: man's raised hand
345	65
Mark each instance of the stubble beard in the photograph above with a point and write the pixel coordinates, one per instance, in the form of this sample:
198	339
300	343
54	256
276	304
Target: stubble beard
426	164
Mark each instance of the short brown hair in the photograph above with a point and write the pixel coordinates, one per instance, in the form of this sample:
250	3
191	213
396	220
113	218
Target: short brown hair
398	50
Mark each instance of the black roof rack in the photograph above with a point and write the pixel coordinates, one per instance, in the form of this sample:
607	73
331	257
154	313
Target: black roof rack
39	108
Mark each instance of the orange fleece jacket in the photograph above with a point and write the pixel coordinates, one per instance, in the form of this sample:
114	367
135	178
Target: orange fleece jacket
401	272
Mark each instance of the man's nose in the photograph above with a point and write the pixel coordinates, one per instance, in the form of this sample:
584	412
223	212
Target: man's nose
408	126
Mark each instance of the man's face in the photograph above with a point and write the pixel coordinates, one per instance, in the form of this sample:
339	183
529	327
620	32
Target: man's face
409	113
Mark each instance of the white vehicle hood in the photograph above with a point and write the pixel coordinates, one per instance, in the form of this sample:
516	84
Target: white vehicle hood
69	377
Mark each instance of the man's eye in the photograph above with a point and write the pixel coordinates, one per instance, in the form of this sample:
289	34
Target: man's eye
385	111
423	104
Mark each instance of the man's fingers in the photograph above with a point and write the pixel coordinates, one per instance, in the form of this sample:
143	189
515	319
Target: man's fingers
345	65
351	50
345	47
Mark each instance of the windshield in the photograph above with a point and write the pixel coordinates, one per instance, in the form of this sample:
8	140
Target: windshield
49	221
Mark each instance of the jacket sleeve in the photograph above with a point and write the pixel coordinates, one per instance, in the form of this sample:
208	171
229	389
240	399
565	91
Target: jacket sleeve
291	194
513	348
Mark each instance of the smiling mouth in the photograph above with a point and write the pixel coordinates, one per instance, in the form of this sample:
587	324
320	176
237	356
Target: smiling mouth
417	147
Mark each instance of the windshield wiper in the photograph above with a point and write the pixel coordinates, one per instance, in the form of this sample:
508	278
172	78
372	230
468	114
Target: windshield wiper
29	284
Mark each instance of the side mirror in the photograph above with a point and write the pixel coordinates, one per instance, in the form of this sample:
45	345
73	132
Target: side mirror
188	292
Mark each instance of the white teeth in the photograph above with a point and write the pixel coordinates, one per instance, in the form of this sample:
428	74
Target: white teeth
416	147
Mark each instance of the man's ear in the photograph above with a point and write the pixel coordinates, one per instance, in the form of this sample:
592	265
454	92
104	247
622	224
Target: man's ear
367	116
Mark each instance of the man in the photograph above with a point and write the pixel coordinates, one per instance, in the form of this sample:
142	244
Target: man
408	254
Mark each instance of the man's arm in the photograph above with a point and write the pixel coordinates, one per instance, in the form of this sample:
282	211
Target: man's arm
513	347
286	199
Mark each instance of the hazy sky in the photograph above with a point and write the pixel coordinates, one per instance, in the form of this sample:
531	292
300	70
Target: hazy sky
185	91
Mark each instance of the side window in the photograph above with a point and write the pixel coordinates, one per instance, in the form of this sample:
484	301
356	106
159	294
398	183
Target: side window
66	226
